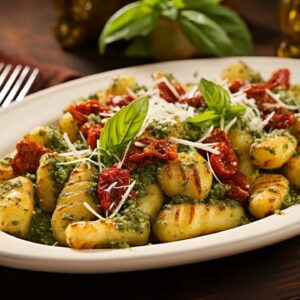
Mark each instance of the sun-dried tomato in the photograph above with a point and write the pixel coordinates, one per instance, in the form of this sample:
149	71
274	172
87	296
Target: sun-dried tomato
81	111
28	156
217	136
152	151
94	134
167	94
109	196
239	187
194	99
257	89
225	164
236	85
281	119
119	100
280	77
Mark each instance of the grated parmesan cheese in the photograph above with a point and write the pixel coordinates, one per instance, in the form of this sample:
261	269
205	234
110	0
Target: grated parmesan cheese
205	147
123	199
166	81
70	145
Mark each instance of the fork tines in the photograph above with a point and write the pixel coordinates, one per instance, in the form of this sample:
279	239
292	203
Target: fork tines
15	82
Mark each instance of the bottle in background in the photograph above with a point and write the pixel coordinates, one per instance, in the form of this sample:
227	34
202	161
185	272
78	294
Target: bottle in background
80	21
289	17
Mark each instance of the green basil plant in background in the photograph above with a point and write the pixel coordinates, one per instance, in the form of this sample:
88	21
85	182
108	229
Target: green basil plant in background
169	29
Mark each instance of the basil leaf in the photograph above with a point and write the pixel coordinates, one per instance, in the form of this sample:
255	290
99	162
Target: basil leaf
208	115
204	33
235	111
215	96
152	2
234	26
165	8
196	4
179	3
139	47
169	10
160	3
121	128
134	19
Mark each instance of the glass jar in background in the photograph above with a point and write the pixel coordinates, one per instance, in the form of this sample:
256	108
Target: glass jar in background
80	21
289	17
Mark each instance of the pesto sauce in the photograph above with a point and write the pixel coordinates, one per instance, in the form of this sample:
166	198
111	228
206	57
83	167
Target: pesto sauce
132	218
165	130
40	229
92	118
285	96
92	190
276	133
116	245
144	176
55	141
193	132
217	194
292	198
59	173
10	185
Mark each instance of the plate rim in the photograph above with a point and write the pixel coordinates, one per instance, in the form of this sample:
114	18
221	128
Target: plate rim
14	259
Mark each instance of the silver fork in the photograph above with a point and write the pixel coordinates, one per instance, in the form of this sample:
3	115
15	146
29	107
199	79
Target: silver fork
15	85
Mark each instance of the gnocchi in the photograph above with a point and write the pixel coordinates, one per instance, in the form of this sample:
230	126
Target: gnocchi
16	206
273	150
268	194
188	176
183	221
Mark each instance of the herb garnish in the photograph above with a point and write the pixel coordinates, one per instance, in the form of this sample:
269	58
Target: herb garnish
208	25
218	102
121	128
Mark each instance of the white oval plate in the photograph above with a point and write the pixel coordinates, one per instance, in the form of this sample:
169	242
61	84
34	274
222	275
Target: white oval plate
46	106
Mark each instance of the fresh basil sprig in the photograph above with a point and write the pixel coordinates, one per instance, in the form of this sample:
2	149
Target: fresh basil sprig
132	20
233	25
121	128
218	102
210	26
205	33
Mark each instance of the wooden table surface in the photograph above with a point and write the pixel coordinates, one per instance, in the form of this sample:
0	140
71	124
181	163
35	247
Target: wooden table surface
269	273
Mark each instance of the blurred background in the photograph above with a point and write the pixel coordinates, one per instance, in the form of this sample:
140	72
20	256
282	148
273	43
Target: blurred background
65	32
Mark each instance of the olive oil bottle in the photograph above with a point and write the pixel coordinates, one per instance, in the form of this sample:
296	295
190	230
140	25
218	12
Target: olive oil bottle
289	16
80	21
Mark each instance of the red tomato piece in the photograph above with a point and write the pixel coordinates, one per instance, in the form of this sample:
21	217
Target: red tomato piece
280	77
225	164
236	85
81	111
195	99
282	119
28	156
119	100
153	151
239	187
93	135
167	94
217	136
109	198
